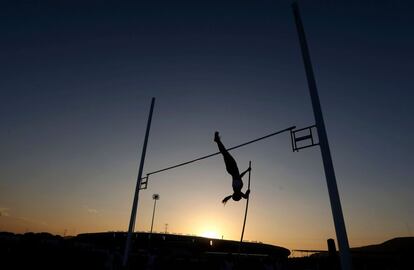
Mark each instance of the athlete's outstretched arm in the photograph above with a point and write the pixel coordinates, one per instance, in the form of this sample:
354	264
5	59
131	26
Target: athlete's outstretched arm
246	195
243	173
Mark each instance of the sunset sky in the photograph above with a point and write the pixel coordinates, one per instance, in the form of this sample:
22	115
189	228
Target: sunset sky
76	86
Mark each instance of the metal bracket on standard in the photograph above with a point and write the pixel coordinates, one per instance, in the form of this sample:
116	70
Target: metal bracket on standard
144	182
303	138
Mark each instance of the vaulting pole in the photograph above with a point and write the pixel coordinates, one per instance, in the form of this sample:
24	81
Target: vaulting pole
245	213
338	217
135	203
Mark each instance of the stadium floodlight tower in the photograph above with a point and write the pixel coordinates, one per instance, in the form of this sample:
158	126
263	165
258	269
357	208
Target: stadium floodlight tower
155	197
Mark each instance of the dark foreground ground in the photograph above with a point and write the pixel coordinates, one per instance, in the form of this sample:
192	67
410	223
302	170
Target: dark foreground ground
105	251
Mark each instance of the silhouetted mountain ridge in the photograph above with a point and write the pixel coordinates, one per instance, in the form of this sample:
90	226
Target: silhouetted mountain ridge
395	245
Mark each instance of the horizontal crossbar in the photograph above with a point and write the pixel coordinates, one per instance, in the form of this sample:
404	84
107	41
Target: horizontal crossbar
229	149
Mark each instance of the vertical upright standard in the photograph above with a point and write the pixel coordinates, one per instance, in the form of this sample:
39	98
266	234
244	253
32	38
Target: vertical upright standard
338	217
137	188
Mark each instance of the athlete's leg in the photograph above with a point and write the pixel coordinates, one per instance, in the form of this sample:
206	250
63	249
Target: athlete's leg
231	165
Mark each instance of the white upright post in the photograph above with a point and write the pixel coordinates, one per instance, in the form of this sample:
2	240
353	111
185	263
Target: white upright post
135	203
338	217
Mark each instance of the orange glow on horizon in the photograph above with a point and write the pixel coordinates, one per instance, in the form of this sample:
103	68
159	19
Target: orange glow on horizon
210	234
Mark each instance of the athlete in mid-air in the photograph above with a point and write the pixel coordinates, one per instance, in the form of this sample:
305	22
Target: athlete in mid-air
233	170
